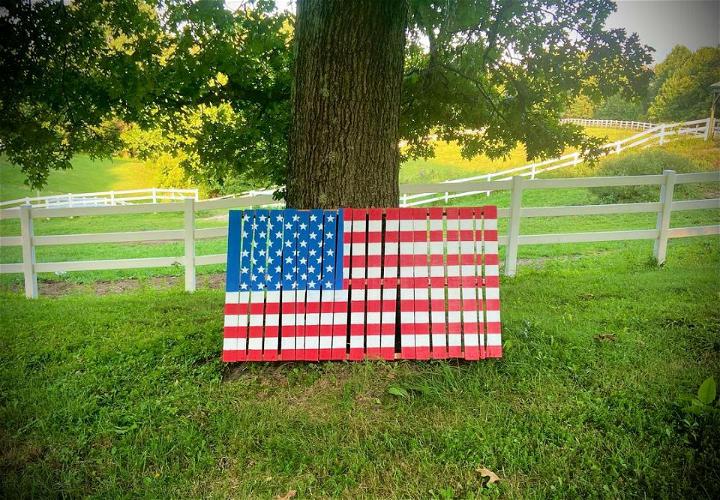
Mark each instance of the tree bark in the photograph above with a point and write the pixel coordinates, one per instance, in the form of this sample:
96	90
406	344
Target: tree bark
343	149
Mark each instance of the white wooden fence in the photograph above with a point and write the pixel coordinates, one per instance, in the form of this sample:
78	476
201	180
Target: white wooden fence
660	133
105	198
588	122
517	185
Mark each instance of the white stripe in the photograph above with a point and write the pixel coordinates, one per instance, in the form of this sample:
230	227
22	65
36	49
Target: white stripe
232	297
439	339
255	344
373	341
325	342
288	343
288	319
375	225
492	316
373	294
422	340
357	294
339	318
421	293
490	224
326	318
422	317
491	247
467	247
454	339
373	272
436	224
492	293
312	319
232	320
338	342
311	342
437	293
357	341
470	317
493	270
256	319
453	293
374	248
454	317
391	248
406	248
437	317
388	340
388	317
373	318
230	344
466	224
467	271
272	319
359	226
357	318
271	343
471	340
453	224
493	339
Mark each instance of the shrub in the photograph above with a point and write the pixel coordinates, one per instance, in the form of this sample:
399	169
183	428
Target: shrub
642	163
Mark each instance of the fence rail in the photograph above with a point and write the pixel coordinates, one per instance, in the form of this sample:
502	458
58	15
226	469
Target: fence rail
664	208
591	122
662	133
104	198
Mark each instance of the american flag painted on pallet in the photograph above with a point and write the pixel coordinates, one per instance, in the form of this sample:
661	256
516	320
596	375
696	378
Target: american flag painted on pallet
353	284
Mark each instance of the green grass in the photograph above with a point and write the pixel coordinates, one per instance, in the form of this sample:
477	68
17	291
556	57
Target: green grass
125	395
86	176
448	163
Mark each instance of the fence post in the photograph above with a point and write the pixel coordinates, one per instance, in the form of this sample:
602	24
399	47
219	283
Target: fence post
446	197
617	147
154	195
28	252
662	135
532	171
403	203
189	244
197	195
514	226
112	198
663	218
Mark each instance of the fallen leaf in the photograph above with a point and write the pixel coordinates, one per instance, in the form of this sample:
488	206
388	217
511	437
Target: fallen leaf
606	337
492	477
290	494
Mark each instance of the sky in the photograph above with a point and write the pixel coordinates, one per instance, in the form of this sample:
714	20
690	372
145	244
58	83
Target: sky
662	24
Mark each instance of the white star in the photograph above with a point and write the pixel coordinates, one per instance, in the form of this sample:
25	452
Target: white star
303	226
244	270
328	284
320	227
312	252
246	217
288	243
262	218
303	261
277	285
243	286
261	269
268	277
245	253
313	236
311	284
253	277
311	269
288	226
278	235
279	217
303	243
330	252
288	276
329	235
288	260
278	252
262	253
278	269
329	268
296	234
245	234
331	218
263	234
253	260
313	218
254	225
294	285
303	277
296	218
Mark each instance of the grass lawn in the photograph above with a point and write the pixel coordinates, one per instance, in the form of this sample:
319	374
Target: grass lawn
121	395
448	163
86	176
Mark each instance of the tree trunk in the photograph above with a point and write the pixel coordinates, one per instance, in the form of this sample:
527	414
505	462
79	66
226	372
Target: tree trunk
346	103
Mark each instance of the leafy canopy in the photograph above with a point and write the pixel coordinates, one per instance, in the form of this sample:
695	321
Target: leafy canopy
215	85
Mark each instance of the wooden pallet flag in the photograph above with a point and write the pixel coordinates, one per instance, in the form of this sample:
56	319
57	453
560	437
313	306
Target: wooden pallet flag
354	284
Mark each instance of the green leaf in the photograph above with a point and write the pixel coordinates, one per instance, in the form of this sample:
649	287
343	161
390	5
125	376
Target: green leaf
398	391
707	391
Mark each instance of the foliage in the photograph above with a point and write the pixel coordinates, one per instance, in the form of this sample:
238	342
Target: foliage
130	396
685	92
580	107
67	70
616	107
508	69
215	85
642	163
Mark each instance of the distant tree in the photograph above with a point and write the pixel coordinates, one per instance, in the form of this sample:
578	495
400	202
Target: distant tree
617	107
580	107
685	93
675	59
